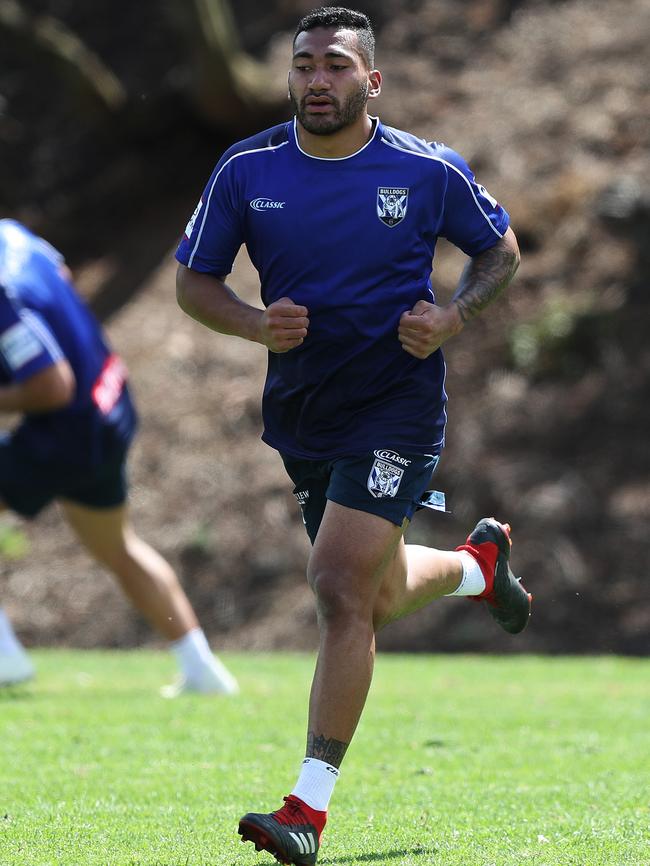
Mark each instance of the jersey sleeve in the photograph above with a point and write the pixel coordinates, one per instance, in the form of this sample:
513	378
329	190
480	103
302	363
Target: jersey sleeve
27	345
214	234
472	219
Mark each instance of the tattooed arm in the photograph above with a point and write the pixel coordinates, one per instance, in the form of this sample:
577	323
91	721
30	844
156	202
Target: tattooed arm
486	275
425	328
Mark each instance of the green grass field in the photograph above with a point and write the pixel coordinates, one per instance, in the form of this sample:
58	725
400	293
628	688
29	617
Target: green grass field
459	761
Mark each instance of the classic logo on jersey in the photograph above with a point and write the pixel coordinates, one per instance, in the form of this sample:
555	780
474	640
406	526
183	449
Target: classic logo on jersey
189	228
19	345
384	479
392	202
267	204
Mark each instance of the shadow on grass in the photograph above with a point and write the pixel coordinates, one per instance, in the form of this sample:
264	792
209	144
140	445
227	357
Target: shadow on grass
18	692
328	861
374	858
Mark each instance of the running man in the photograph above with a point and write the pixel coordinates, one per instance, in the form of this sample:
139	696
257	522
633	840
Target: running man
71	446
340	215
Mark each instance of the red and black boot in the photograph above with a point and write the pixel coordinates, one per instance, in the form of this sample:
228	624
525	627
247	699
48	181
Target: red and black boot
505	597
292	834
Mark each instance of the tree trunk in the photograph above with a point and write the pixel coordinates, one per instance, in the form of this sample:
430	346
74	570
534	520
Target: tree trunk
80	68
228	88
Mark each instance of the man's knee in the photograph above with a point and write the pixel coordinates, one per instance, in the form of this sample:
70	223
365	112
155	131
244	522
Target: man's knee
339	595
383	608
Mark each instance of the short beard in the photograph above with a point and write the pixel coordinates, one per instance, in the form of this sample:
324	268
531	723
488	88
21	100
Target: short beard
344	115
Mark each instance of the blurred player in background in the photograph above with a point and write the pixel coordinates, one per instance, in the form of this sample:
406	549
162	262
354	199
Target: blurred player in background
71	446
340	215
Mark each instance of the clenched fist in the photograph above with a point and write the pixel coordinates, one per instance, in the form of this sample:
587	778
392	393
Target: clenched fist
284	325
425	328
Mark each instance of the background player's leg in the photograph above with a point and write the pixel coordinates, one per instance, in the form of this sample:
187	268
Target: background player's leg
15	665
153	587
147	578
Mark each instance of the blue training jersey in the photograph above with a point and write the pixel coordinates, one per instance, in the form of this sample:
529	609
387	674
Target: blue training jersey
43	320
353	240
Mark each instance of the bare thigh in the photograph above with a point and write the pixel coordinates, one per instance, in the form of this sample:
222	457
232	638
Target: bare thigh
351	555
102	531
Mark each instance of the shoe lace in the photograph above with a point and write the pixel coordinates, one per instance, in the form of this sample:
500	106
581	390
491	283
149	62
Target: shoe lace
290	813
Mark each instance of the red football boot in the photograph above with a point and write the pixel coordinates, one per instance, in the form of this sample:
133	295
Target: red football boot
506	598
292	834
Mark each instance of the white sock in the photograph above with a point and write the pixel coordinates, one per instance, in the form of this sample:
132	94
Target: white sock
9	643
316	783
192	653
472	581
201	670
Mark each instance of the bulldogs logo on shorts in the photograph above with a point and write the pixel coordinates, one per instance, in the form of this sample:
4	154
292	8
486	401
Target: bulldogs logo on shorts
392	202
384	479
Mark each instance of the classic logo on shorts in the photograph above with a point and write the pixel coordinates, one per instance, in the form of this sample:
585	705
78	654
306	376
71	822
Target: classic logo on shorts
384	479
392	202
385	454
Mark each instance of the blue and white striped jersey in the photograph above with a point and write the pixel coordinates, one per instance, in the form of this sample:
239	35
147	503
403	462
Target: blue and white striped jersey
352	239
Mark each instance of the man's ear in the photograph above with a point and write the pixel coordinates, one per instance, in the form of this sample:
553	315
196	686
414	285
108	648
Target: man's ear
374	83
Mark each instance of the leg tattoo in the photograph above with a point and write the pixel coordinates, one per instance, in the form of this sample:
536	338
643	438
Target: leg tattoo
328	750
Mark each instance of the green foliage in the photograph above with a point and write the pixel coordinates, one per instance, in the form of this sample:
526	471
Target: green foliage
554	322
458	761
564	337
13	542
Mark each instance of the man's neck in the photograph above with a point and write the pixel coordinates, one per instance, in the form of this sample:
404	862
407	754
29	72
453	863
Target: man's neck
339	144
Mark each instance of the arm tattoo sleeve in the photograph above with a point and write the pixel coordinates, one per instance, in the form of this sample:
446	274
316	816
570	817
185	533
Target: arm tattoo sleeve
484	277
330	751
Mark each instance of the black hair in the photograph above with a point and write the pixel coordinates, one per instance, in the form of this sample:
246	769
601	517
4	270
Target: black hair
350	19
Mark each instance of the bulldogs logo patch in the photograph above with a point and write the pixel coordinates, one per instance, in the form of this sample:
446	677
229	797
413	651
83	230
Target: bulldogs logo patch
392	202
384	479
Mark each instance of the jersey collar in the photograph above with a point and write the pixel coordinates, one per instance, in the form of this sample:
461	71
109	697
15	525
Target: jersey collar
375	135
